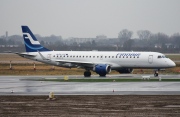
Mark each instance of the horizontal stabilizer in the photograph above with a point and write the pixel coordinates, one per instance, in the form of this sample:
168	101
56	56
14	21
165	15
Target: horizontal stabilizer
21	54
25	54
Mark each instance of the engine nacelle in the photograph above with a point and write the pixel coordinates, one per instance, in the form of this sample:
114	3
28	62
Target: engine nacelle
125	70
102	69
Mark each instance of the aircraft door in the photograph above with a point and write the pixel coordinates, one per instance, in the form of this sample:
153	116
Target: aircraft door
49	56
150	59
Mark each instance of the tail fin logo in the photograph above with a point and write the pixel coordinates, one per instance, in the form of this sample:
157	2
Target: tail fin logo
28	36
30	41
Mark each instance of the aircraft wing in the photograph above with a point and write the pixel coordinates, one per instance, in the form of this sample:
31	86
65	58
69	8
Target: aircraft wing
80	63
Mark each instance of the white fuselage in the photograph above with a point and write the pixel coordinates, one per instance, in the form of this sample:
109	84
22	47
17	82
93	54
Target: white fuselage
116	60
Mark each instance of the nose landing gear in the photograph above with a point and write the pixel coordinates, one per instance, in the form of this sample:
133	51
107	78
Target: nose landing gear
156	73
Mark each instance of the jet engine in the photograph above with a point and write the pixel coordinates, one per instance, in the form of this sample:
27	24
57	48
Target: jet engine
102	69
125	70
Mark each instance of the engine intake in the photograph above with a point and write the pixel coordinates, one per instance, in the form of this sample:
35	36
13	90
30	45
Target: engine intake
102	69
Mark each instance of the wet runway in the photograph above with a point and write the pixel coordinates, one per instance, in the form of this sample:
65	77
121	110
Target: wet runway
23	85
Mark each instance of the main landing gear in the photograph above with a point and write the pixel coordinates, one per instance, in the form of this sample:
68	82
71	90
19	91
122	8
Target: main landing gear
87	74
102	75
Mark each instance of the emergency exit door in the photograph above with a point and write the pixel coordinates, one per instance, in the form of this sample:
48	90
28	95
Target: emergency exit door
49	56
150	59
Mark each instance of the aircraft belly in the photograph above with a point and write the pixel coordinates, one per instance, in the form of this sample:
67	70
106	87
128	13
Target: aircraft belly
135	63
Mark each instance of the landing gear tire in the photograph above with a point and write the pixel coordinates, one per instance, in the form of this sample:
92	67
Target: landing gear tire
102	75
156	74
87	74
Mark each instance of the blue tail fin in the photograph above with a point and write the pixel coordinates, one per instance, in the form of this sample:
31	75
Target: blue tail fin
31	43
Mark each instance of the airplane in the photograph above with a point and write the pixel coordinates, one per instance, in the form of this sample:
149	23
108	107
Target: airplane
101	62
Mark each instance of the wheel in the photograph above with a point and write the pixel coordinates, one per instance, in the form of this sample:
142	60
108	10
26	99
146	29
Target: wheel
155	74
102	75
87	74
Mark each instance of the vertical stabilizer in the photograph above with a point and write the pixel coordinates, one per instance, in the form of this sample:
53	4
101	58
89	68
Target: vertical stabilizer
30	41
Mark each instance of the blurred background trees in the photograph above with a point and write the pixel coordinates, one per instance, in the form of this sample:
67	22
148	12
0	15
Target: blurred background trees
126	40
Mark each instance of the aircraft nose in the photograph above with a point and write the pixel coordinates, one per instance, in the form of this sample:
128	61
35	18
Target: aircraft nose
171	64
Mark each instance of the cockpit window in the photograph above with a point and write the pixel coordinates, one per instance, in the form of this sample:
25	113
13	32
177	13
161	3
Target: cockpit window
159	57
163	56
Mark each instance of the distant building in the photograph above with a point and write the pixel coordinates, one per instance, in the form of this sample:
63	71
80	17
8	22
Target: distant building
101	37
2	46
102	40
157	46
84	40
80	40
170	45
11	46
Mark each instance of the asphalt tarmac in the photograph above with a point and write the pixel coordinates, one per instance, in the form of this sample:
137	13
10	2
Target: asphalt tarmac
24	85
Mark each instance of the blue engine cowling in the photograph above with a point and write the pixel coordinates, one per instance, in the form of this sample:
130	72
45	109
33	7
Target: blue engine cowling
102	69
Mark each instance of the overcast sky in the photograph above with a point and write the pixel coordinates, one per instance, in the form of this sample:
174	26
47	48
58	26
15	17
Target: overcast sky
89	18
